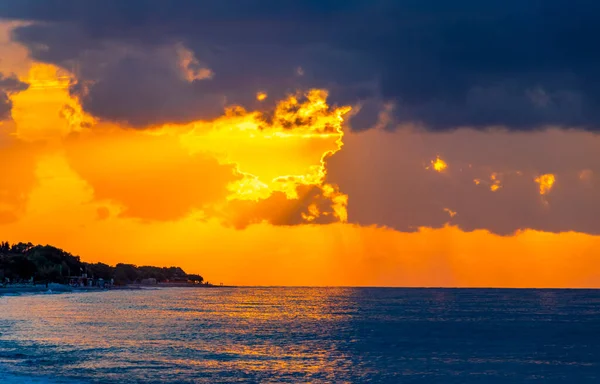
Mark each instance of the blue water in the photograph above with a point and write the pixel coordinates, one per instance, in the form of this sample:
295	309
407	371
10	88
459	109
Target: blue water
319	335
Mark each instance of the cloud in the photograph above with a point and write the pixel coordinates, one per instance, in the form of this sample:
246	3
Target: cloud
5	106
515	64
9	85
314	205
17	180
501	181
242	168
167	185
251	160
141	88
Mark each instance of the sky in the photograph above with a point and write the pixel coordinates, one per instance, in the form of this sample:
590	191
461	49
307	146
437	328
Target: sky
262	142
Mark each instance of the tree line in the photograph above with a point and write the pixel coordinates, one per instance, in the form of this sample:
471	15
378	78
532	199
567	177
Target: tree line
47	264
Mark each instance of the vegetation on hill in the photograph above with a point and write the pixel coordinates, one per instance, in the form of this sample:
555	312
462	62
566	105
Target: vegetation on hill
44	263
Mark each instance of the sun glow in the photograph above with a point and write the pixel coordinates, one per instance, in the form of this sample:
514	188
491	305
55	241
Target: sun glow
46	110
277	153
253	162
179	193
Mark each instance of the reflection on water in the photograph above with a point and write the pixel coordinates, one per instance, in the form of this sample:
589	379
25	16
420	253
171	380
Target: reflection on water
304	335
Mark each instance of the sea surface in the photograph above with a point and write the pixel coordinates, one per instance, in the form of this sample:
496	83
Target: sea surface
318	335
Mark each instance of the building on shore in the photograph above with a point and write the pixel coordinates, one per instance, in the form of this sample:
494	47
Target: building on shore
83	281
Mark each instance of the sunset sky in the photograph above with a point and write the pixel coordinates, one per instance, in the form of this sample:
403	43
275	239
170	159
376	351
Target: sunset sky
267	142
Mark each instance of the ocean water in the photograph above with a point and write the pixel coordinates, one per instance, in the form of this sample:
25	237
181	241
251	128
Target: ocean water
318	335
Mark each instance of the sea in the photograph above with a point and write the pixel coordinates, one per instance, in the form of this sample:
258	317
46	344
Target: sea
302	335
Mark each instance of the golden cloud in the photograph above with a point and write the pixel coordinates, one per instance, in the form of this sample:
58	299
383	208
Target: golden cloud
247	166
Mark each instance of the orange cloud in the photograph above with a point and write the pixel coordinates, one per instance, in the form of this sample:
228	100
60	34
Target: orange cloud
190	66
15	58
17	178
244	159
46	111
546	182
85	181
450	212
278	155
149	176
495	182
260	96
438	165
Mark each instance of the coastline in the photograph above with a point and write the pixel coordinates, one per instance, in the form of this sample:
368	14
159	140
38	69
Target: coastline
60	288
54	289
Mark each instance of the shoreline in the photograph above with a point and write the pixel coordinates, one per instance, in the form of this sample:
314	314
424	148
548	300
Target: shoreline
60	288
54	289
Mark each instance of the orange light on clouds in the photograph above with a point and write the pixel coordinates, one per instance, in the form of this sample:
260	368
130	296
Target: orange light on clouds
202	168
181	194
438	165
546	182
277	156
260	96
46	110
450	212
495	182
190	66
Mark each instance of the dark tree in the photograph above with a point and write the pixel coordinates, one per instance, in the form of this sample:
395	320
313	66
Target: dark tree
46	263
21	248
19	267
4	248
197	279
126	273
100	271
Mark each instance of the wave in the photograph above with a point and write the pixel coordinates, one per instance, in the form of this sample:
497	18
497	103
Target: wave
14	378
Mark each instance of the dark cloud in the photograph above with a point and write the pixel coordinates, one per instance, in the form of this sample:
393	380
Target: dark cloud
8	85
278	209
11	84
519	64
5	106
388	184
146	89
